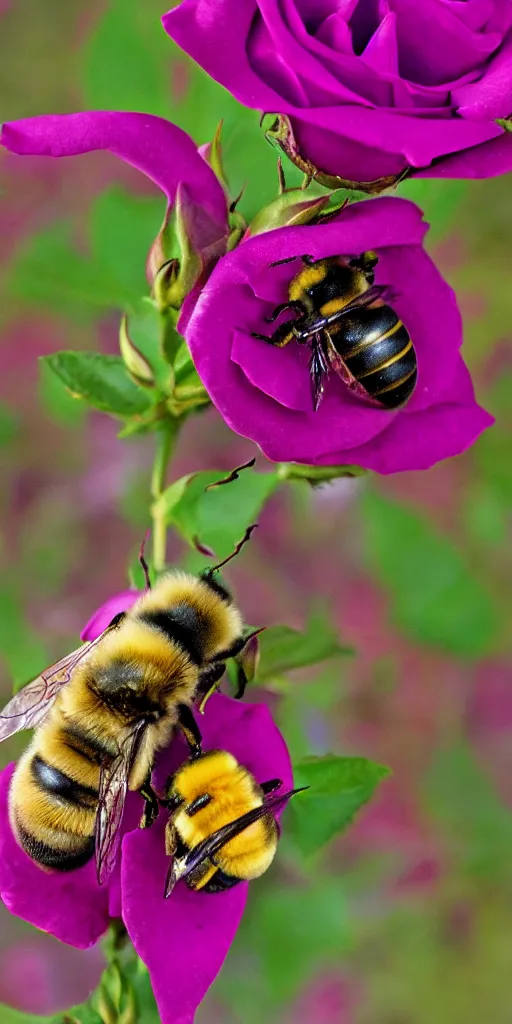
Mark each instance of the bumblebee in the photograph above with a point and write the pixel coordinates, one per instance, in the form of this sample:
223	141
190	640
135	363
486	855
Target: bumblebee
102	713
221	828
342	314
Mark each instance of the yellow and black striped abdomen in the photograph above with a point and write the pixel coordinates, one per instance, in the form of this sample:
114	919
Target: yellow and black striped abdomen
54	796
376	348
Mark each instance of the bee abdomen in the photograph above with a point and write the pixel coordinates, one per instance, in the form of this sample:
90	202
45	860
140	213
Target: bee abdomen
378	351
56	783
220	882
86	746
56	858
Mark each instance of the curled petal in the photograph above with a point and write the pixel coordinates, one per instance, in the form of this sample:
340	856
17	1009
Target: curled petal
154	146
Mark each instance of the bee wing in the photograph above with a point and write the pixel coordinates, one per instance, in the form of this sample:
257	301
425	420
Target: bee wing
318	368
377	291
30	705
210	846
111	799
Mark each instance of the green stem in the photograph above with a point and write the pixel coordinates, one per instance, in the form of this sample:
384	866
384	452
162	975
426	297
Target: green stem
165	441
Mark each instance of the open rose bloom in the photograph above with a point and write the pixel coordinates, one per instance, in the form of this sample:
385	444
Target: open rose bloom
262	392
372	87
183	940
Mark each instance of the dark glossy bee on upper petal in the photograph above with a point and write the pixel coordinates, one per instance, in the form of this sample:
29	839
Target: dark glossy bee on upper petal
351	329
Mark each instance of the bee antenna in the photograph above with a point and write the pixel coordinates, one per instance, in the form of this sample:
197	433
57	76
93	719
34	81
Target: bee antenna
142	560
238	547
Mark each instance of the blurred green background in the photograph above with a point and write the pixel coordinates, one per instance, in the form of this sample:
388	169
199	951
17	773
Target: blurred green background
406	918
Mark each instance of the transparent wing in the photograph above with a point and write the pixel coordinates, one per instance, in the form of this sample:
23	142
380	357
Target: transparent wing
210	846
112	795
318	369
30	705
377	291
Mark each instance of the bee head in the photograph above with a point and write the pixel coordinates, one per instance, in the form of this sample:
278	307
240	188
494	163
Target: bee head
136	674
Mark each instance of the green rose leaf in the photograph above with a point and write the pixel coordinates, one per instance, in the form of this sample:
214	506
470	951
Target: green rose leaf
126	60
22	649
283	648
100	380
122	229
8	424
77	1015
291	933
49	270
216	518
460	795
339	787
434	596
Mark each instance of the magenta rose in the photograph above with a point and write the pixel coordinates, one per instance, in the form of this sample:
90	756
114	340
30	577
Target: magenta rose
183	940
264	393
371	87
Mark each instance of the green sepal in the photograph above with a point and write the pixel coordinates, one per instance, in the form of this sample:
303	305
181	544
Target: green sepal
150	332
505	122
278	129
100	380
174	263
289	208
213	156
137	365
248	659
161	250
338	788
317	475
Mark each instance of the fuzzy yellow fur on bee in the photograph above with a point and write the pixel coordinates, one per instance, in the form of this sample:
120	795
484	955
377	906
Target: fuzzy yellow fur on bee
221	828
102	713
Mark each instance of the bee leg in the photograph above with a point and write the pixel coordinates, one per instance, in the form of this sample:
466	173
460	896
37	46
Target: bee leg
171	838
295	305
151	808
197	805
143	564
208	681
271	785
289	259
281	336
190	729
116	620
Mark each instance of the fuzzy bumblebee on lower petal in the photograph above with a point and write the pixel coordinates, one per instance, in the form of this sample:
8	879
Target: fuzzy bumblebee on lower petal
182	940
